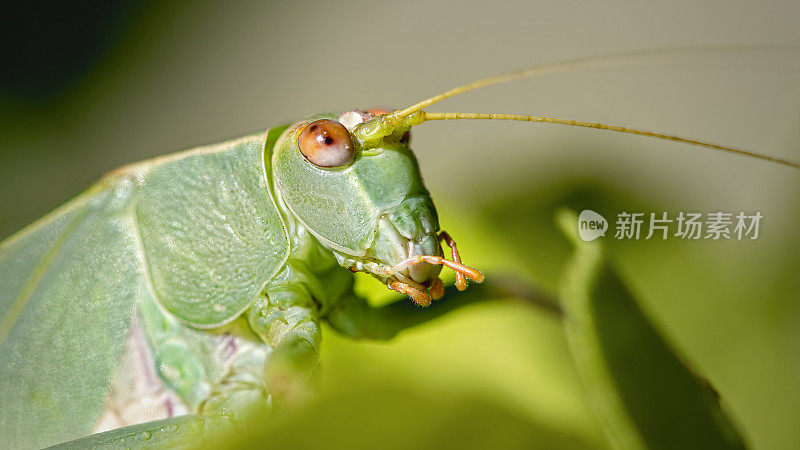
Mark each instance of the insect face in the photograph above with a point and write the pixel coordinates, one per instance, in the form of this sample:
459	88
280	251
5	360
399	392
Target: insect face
366	202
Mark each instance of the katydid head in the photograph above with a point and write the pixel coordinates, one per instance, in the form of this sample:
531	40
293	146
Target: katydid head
353	182
363	200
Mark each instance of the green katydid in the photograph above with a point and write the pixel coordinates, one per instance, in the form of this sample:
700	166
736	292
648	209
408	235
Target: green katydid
195	283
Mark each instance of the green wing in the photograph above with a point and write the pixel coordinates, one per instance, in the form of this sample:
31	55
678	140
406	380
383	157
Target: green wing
198	231
211	233
67	295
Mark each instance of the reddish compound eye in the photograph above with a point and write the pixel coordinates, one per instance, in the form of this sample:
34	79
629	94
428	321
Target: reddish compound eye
326	143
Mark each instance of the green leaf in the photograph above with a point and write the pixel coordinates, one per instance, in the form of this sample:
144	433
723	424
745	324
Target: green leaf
394	416
176	432
642	393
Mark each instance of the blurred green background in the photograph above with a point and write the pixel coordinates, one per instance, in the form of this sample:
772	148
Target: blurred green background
86	88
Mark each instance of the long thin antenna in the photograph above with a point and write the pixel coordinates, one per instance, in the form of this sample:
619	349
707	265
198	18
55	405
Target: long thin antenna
601	126
595	62
399	121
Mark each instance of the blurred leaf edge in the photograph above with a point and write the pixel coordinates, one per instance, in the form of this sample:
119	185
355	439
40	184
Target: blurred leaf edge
641	392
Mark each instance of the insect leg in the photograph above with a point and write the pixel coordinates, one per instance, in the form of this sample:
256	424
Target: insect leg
286	318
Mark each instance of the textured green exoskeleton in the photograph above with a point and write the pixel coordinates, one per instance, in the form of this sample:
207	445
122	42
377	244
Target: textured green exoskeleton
195	283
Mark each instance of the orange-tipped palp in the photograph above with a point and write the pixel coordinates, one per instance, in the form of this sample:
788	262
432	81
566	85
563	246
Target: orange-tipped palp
461	281
421	298
436	289
474	274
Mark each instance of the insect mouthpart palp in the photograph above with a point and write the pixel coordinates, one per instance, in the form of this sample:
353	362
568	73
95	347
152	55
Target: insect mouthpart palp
436	288
461	280
471	273
419	296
